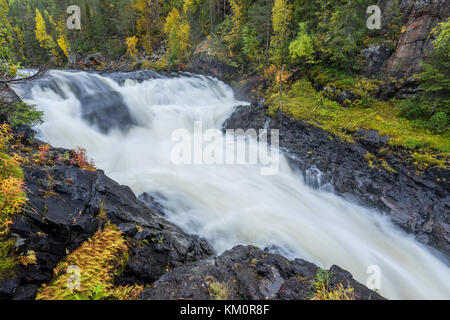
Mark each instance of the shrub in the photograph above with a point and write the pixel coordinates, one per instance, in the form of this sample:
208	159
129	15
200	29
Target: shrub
439	122
219	290
416	108
80	159
323	291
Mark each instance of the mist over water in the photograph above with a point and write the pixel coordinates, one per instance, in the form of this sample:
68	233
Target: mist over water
125	121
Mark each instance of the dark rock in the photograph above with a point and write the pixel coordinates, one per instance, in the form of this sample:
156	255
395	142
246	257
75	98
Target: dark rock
205	64
8	287
26	293
246	273
7	95
344	97
152	203
376	58
93	60
106	111
64	209
417	203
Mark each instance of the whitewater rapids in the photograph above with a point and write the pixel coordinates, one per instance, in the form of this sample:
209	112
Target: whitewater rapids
226	204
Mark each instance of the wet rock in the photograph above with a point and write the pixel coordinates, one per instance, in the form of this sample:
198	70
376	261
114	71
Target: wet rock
247	273
93	60
7	95
66	207
419	204
152	203
8	287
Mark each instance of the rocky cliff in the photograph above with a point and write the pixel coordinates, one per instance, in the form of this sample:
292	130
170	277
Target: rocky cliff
420	17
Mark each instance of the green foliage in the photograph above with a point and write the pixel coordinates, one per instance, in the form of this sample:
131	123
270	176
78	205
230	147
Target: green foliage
303	102
301	49
8	69
20	113
323	291
434	106
341	31
439	122
7	259
251	44
281	19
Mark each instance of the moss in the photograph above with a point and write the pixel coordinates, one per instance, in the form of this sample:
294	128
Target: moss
370	158
99	260
303	102
8	259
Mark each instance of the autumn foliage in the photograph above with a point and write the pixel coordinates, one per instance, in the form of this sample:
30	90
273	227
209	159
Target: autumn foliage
98	260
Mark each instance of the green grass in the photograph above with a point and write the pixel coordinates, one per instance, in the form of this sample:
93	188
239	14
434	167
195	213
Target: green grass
303	102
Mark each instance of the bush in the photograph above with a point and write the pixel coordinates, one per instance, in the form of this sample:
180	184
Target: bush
439	122
416	108
426	112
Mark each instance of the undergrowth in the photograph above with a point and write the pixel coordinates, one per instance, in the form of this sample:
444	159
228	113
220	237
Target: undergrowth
322	290
99	260
303	102
12	199
219	290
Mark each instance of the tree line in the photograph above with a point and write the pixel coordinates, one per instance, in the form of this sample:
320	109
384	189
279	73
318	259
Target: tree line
259	32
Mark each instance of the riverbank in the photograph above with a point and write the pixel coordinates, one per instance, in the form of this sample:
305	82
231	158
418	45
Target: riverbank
74	212
367	154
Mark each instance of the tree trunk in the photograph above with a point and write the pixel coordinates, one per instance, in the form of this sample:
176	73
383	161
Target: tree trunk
281	86
266	62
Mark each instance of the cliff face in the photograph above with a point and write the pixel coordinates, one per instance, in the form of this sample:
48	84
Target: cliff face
414	44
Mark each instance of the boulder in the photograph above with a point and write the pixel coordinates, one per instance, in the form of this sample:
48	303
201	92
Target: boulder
248	273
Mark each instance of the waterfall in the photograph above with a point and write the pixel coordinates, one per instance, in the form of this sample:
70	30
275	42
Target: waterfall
125	122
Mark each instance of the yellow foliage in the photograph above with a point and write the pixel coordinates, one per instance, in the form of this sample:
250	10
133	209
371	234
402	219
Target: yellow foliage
45	40
29	258
341	293
99	260
178	31
62	43
131	46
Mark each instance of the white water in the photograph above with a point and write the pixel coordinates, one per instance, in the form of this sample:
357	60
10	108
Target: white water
232	205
